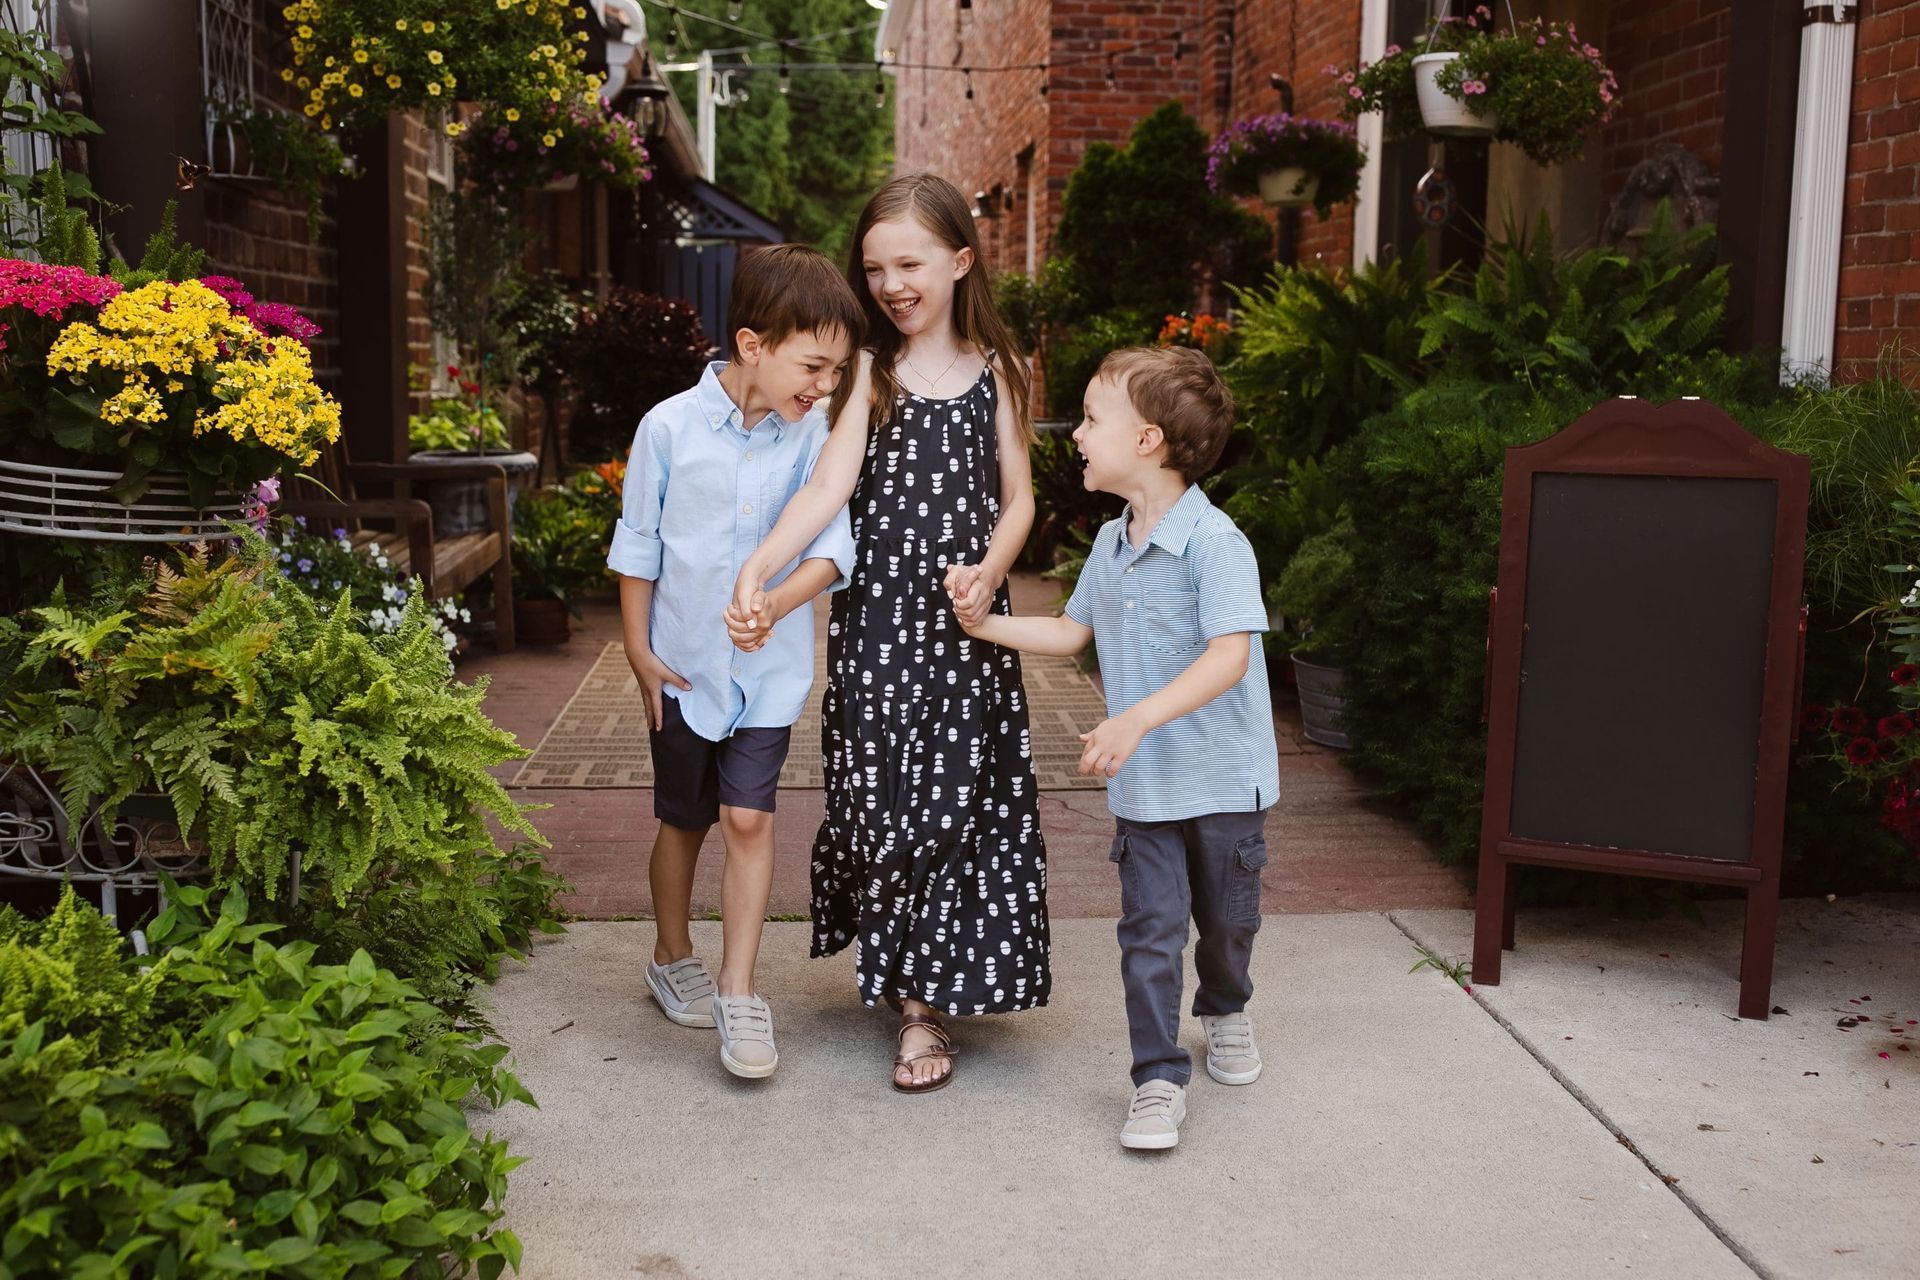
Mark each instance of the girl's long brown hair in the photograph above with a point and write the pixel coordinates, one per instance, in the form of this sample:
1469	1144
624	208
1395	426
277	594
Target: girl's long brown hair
937	205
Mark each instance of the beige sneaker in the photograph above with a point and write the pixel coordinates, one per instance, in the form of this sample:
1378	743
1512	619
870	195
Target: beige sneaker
746	1035
683	991
1153	1121
1232	1056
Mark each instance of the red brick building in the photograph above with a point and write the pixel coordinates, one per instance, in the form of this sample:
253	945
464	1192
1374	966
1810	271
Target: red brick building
1727	94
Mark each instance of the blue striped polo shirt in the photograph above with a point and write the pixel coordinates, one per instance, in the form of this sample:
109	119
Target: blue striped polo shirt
1153	609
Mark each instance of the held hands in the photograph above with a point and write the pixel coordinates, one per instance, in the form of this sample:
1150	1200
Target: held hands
751	606
652	674
1110	743
972	592
747	631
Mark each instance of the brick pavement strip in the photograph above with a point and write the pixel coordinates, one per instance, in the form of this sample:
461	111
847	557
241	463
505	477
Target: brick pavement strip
1332	846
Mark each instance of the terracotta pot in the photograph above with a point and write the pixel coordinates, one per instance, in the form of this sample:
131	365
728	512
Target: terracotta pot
541	620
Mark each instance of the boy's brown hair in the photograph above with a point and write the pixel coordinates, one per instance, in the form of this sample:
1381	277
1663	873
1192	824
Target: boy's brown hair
1178	390
786	289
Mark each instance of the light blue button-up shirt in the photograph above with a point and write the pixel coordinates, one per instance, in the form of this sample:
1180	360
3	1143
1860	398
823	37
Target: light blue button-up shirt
1153	609
702	490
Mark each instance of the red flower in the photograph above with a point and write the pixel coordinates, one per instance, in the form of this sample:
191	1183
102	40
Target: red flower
1898	725
1813	719
1860	751
453	371
1906	673
1884	748
1849	720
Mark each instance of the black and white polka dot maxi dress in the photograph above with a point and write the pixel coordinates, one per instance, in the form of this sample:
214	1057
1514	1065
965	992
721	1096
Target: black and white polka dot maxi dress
930	860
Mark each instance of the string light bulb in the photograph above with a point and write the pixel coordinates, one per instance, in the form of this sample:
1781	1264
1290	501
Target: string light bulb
879	90
786	79
968	73
1112	81
734	9
1179	45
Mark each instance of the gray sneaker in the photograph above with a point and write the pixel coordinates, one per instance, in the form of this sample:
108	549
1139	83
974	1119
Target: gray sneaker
1232	1056
684	991
1153	1121
746	1035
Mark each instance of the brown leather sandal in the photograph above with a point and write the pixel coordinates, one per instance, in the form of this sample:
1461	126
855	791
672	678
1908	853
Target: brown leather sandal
943	1048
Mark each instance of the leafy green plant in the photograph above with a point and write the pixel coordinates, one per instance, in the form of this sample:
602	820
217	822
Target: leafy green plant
275	730
460	423
32	77
290	151
1318	596
1321	351
1597	321
325	563
1280	508
1066	511
285	1116
1140	230
1073	357
559	545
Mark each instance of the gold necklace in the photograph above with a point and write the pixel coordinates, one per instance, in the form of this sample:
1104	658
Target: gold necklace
933	384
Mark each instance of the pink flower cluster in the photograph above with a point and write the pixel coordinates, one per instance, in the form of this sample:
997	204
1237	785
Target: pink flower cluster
48	291
270	318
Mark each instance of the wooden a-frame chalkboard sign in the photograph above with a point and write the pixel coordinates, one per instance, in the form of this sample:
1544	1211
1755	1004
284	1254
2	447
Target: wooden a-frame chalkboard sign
1643	653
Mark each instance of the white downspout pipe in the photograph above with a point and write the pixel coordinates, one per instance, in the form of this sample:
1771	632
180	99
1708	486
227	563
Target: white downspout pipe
1366	206
1819	188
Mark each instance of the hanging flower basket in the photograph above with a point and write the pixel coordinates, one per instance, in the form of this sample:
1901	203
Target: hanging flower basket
1441	112
1287	160
1534	84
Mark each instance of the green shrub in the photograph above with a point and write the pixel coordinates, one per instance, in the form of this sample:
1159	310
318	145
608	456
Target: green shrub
1066	512
1318	596
560	538
1076	353
288	1117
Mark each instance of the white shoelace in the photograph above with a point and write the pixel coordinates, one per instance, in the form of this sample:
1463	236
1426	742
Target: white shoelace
1231	1037
1154	1098
745	1017
688	980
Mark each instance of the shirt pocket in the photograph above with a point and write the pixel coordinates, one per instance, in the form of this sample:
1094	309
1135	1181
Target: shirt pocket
1170	620
781	481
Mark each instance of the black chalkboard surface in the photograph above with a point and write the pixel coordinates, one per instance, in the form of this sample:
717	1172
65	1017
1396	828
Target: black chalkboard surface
1643	652
1640	670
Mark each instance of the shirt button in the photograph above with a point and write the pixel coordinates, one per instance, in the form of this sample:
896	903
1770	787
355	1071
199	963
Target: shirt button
748	509
749	455
1130	568
1129	604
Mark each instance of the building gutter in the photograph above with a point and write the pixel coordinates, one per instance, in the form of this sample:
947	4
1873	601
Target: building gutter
1818	190
892	32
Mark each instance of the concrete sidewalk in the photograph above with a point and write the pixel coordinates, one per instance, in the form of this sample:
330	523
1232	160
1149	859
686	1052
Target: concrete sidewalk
1401	1129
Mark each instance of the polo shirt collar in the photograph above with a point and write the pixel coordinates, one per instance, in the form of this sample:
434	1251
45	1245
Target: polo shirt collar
1175	529
718	407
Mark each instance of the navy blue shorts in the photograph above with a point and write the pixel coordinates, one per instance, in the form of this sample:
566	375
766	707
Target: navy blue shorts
693	777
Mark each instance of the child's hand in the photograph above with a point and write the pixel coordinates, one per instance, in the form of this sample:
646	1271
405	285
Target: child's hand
1110	744
745	632
972	594
652	674
751	603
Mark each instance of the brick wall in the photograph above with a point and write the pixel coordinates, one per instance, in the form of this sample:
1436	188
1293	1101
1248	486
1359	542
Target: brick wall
1671	60
1879	305
1295	41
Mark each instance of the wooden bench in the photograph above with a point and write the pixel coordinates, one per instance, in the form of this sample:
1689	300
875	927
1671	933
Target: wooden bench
444	565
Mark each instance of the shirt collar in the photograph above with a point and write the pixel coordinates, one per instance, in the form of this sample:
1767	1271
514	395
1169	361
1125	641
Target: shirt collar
1175	528
719	409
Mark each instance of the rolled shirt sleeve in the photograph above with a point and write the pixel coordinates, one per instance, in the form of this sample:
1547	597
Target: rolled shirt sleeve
636	550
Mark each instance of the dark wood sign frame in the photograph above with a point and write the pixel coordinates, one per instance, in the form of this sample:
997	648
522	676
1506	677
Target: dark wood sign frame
1683	439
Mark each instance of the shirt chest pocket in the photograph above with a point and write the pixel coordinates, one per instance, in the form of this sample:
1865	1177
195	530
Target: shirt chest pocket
778	484
1170	620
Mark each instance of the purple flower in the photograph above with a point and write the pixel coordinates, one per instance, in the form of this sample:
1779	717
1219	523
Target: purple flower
304	565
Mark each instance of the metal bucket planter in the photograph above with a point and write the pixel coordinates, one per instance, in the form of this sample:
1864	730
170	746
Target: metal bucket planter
69	502
1289	187
460	506
1440	111
1323	703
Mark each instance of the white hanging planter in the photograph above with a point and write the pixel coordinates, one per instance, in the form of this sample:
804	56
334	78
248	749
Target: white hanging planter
1290	186
1440	111
67	502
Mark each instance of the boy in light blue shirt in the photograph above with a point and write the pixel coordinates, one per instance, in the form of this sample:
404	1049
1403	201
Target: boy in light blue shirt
1170	596
710	471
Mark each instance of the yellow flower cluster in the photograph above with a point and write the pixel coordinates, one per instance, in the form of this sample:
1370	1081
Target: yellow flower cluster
272	399
162	331
357	58
162	338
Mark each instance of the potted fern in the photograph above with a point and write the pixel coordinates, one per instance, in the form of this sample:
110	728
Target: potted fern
1287	160
1318	599
559	552
1534	84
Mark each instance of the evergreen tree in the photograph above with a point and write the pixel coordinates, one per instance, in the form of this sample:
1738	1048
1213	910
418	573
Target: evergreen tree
809	158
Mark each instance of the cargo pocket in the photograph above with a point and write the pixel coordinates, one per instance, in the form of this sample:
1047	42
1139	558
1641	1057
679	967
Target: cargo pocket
1123	864
1249	856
